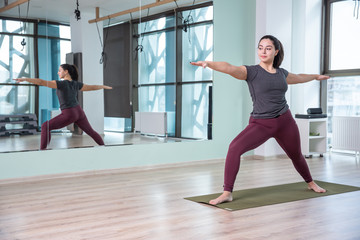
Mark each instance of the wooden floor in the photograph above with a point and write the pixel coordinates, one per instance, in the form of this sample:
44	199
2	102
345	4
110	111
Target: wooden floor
149	204
16	143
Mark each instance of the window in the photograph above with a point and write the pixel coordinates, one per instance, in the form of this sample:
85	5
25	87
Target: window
18	41
16	61
341	61
343	54
197	45
166	80
53	45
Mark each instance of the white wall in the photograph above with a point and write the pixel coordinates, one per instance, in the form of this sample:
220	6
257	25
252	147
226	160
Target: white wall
85	39
273	17
297	24
306	49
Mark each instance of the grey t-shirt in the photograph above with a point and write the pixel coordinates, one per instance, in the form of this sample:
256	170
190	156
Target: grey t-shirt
67	92
267	91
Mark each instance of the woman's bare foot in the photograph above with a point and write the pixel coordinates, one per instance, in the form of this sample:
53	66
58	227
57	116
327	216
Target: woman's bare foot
225	197
313	186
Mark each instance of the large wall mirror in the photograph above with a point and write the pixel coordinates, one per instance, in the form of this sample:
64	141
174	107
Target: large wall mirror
159	97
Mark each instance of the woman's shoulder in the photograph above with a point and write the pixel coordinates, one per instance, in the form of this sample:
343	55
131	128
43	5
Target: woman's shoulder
252	71
78	84
67	83
252	67
283	71
60	84
74	83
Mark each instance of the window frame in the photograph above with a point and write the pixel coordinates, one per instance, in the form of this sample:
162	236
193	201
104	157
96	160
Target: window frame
325	52
178	61
35	37
325	63
326	41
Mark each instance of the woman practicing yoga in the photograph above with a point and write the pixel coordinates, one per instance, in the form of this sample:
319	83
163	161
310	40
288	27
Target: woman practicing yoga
270	117
71	112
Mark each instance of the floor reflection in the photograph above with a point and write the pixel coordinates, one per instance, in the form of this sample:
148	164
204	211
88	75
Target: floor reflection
16	143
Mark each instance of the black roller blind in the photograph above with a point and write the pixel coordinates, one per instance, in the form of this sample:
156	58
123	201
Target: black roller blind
116	66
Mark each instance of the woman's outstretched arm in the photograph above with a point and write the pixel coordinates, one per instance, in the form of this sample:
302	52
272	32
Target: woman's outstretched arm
303	78
38	81
238	72
87	87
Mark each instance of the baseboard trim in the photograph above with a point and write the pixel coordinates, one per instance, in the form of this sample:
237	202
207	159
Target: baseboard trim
105	171
46	177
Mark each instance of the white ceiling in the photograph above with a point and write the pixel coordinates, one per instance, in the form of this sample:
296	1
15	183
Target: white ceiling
62	10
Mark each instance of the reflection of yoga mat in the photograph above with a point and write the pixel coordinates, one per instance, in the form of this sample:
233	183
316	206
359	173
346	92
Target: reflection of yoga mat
257	197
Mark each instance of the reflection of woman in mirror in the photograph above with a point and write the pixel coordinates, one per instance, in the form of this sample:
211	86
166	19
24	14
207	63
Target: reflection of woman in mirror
271	116
71	112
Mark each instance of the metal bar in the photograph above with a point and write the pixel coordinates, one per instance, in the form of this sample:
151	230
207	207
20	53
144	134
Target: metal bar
154	84
172	28
178	73
18	84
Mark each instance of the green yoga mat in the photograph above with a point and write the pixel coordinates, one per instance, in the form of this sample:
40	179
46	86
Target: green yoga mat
257	197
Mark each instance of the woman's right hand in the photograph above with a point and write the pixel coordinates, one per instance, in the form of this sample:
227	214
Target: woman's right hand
107	87
200	64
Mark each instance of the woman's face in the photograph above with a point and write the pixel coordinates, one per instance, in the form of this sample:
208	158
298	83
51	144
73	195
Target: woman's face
62	73
266	51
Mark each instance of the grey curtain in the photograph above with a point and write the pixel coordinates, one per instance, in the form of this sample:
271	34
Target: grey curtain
116	64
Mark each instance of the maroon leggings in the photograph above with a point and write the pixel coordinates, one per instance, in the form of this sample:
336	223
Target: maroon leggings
282	128
68	116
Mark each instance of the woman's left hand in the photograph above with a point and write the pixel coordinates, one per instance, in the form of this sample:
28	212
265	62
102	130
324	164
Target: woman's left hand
322	77
18	80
